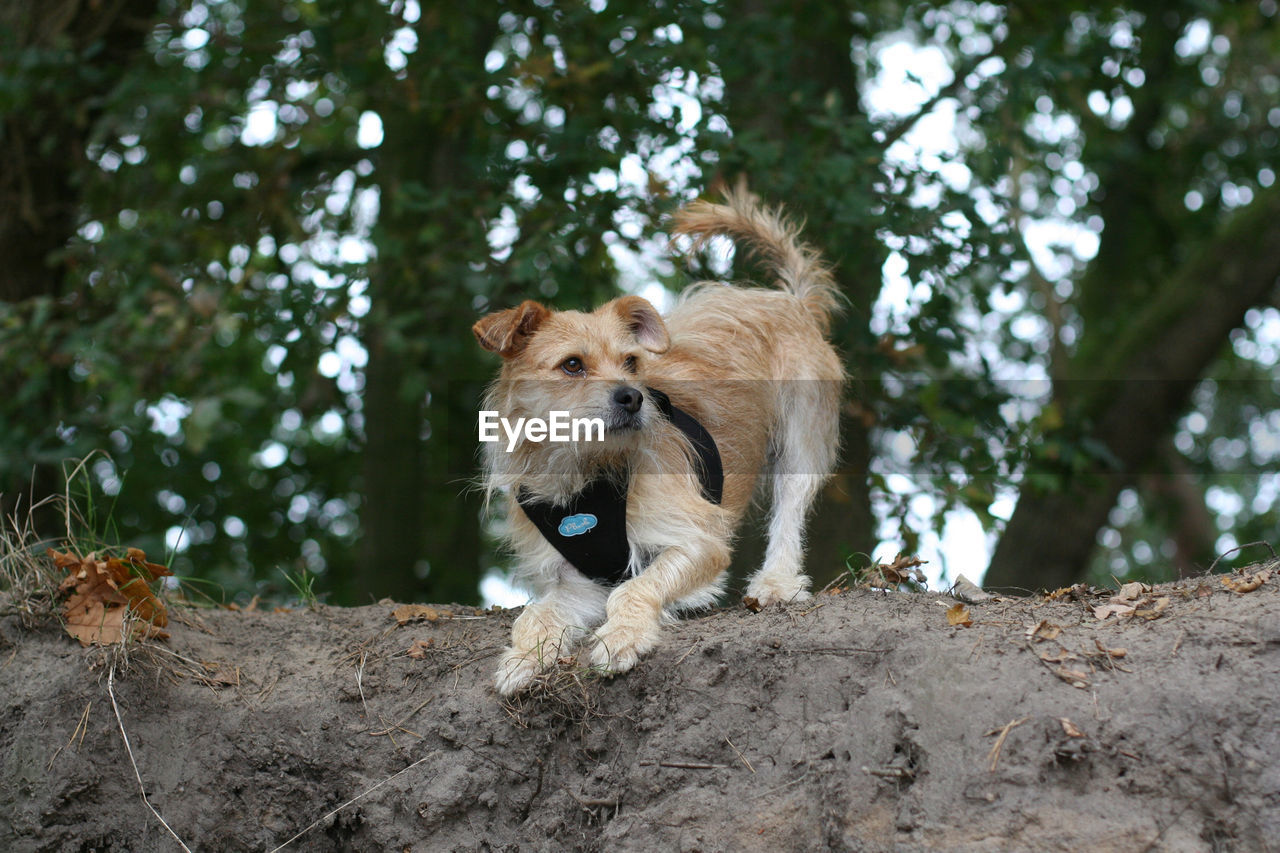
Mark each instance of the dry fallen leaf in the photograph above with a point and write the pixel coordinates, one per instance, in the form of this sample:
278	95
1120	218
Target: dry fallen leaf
969	592
959	615
1102	611
1115	653
406	613
1079	592
1059	656
1246	583
1070	728
103	595
1154	610
1043	630
902	570
1131	592
1074	677
751	603
418	650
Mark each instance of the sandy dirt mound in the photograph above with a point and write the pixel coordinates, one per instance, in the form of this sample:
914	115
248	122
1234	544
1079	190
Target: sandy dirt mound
860	721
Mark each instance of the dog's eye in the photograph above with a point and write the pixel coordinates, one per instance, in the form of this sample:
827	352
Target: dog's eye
629	364
573	366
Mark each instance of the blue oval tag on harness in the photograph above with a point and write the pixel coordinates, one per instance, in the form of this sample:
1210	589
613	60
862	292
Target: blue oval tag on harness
576	525
600	510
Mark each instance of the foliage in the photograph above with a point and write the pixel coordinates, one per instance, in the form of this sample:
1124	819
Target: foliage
286	216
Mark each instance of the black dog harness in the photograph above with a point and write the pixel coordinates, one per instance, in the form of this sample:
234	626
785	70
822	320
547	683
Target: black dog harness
590	530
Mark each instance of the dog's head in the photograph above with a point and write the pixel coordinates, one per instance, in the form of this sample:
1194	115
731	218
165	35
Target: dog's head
589	365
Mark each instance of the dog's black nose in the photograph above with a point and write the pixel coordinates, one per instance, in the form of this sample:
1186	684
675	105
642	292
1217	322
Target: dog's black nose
628	398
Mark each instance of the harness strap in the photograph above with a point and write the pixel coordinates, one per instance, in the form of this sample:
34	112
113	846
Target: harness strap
710	470
590	530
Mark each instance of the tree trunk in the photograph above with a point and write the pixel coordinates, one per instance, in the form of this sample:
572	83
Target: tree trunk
1134	392
413	549
392	540
42	150
1171	492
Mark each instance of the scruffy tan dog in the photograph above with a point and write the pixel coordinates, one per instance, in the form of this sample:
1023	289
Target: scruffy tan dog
635	524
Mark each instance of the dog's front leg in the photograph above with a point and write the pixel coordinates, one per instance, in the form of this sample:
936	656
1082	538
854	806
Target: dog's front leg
634	610
545	629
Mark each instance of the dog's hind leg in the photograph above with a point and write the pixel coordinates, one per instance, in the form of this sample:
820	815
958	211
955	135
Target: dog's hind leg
805	442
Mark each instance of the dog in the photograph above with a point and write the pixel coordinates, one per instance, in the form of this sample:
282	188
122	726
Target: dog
616	534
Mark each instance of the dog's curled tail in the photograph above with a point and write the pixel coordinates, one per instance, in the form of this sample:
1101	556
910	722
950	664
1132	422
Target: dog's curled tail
772	237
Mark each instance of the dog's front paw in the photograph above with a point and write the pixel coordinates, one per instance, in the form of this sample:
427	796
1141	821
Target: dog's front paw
774	589
516	671
618	646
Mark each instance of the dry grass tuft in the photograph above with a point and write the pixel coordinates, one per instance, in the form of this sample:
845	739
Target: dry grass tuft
566	692
28	579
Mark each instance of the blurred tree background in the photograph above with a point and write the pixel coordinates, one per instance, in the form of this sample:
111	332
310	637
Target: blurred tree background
244	244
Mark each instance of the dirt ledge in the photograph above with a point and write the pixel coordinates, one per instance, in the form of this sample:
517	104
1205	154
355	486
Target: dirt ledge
865	722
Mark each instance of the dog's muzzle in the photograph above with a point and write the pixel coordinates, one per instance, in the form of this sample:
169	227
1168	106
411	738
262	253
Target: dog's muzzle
624	408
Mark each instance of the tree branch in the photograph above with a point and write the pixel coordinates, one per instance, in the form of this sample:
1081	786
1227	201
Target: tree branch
1134	391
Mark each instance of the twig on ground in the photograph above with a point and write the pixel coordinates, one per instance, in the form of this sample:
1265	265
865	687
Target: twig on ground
817	606
782	787
889	772
686	654
354	799
400	724
111	691
838	650
459	744
595	802
81	729
267	690
994	756
1223	555
741	757
846	575
685	765
360	684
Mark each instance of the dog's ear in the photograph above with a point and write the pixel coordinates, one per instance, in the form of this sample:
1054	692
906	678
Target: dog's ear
507	332
644	321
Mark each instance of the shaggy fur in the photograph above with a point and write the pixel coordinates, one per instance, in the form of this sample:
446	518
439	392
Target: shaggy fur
751	364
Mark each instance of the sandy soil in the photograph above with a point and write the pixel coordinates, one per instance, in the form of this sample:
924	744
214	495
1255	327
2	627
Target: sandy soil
860	721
